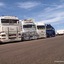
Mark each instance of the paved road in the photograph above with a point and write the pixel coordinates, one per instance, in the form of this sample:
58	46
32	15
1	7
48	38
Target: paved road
42	51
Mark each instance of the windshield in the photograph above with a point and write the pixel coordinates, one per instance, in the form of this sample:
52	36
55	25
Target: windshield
40	27
49	27
28	26
9	21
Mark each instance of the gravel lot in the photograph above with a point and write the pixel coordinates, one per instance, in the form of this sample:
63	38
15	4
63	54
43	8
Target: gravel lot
42	51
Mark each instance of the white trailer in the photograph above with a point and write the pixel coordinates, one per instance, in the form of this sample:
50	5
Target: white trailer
60	32
41	29
28	29
9	29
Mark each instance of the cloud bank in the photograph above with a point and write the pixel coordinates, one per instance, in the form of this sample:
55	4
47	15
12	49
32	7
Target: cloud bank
27	5
2	4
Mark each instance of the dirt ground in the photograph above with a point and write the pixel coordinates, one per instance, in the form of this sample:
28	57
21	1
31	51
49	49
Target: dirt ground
41	51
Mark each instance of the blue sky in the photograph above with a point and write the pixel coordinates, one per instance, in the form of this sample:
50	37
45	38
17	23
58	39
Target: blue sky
47	11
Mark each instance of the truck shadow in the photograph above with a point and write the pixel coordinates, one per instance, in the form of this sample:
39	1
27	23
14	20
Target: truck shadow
2	43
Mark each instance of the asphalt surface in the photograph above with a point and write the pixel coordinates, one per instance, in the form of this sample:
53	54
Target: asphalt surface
42	51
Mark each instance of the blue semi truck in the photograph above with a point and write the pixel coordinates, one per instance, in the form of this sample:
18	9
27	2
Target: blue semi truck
50	31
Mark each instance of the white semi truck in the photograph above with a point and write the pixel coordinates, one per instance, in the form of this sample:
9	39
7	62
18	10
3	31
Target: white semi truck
9	29
28	29
41	29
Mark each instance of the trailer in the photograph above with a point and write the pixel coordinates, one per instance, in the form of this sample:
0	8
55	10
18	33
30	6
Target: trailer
9	29
41	29
28	29
60	32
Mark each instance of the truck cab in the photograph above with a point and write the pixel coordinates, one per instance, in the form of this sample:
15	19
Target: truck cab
41	29
9	29
28	29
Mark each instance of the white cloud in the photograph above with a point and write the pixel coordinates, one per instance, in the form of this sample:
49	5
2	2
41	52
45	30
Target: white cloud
48	9
2	4
56	17
55	7
62	1
27	5
52	11
52	20
58	23
52	14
